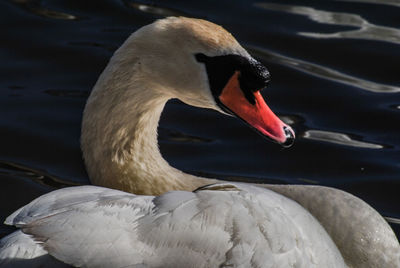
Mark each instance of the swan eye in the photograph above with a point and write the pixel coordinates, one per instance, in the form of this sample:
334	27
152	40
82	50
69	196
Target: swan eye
253	76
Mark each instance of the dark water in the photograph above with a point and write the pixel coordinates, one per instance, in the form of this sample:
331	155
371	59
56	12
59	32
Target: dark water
335	79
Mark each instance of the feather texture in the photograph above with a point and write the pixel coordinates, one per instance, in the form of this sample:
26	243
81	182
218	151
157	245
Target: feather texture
226	225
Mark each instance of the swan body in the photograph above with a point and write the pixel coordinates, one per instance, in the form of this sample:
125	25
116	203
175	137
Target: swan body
223	225
180	220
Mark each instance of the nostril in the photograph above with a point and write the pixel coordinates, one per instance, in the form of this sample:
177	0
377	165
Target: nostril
289	136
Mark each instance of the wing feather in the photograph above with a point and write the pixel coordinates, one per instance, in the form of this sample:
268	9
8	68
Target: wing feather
222	225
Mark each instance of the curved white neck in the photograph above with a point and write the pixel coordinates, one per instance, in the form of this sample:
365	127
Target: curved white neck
119	136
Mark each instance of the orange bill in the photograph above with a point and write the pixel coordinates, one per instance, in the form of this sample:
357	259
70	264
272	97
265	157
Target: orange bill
258	115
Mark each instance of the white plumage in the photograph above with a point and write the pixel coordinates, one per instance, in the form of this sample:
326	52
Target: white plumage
236	225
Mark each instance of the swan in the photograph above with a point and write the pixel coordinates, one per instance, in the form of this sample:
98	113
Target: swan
145	213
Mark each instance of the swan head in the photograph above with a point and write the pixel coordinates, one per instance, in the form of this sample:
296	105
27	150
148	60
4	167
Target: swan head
203	65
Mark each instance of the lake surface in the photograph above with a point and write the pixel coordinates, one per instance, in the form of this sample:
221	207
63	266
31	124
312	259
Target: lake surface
335	79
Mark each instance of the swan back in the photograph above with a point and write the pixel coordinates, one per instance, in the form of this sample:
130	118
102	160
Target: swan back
224	225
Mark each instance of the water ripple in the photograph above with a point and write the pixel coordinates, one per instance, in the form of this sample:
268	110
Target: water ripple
67	93
321	71
170	135
155	10
108	47
392	220
35	7
16	170
366	30
338	138
395	3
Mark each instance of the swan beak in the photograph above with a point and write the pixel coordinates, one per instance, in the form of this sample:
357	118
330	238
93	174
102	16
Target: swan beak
258	115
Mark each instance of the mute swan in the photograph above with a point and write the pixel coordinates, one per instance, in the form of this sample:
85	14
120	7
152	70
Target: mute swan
182	220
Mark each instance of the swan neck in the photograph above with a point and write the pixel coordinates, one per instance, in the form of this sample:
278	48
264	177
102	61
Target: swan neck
119	138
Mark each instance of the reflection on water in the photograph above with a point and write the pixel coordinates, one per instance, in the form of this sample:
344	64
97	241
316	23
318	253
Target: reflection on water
395	3
393	220
338	138
35	7
321	71
302	180
169	135
366	29
290	119
67	93
19	171
107	47
16	87
155	10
